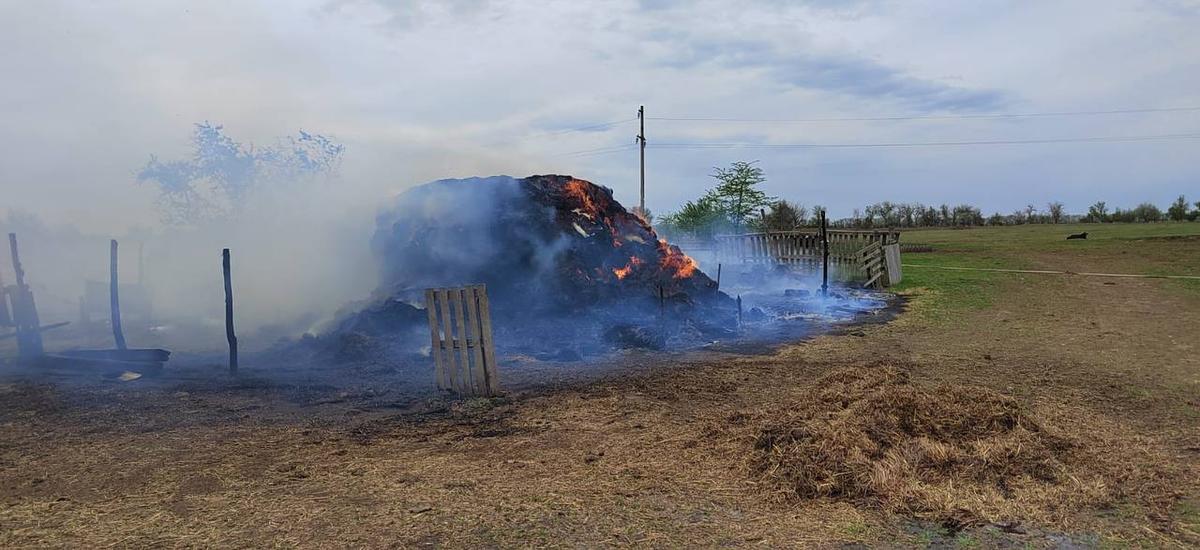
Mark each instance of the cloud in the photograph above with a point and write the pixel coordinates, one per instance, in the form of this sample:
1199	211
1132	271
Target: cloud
425	90
868	79
1177	8
837	73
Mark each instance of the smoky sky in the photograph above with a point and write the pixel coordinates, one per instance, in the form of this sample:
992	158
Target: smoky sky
419	91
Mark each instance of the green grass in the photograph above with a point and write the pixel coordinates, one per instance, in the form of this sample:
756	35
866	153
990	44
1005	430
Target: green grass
1151	249
941	293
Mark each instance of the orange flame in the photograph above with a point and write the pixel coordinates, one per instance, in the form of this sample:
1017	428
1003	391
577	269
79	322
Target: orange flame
576	190
680	265
622	272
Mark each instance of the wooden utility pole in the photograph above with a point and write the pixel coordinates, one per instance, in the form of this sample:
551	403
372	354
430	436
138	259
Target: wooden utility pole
229	335
824	254
641	139
114	300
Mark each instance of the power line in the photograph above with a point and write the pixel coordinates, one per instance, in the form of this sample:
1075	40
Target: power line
597	151
928	117
1097	139
588	128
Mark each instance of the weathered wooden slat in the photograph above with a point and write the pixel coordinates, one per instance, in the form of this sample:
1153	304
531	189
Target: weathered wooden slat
435	341
447	345
492	370
460	341
871	282
474	342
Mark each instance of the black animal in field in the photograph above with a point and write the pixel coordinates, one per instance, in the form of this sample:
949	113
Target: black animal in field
1077	236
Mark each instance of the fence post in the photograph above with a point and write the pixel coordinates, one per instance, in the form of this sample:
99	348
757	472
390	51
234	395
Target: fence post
824	255
229	334
114	298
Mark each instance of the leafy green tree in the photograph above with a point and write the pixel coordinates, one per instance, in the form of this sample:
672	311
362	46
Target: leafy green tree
815	220
783	216
1098	212
966	215
702	218
1147	212
1178	210
737	191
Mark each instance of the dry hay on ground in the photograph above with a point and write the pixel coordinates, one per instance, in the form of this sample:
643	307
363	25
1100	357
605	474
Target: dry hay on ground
956	454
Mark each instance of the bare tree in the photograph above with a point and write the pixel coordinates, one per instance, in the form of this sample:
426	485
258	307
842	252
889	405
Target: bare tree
1030	212
1056	211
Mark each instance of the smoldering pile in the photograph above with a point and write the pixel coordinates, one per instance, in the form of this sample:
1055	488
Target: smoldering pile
568	269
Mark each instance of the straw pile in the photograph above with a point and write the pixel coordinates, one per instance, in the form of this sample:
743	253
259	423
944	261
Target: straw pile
950	453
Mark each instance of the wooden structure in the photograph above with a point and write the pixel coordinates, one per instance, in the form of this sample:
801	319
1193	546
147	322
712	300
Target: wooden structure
853	255
135	300
24	315
460	328
121	358
28	329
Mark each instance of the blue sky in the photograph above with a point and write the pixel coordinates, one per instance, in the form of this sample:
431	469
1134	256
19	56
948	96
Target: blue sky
426	90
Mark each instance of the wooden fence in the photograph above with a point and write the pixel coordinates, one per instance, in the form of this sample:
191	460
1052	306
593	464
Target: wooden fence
853	255
460	328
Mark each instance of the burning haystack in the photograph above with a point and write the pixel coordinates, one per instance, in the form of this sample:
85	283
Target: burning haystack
549	248
543	241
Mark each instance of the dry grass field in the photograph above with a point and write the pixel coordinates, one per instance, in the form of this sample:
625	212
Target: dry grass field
998	410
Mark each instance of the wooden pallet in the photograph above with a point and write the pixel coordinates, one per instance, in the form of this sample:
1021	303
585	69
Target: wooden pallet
460	329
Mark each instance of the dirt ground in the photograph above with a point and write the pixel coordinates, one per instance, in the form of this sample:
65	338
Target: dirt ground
656	458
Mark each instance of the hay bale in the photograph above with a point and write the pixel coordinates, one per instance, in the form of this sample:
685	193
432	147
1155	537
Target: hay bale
950	453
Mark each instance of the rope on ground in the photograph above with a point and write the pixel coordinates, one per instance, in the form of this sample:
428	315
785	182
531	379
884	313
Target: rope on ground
1055	272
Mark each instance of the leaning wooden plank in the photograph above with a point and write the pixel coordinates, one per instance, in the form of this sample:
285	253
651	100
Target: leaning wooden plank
435	341
443	298
474	342
460	342
491	369
153	355
891	254
98	366
871	282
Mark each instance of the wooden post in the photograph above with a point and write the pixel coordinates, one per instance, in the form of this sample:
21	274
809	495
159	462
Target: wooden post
824	255
114	300
718	277
229	334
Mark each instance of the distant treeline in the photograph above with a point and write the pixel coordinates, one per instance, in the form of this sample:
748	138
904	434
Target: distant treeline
736	205
888	214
